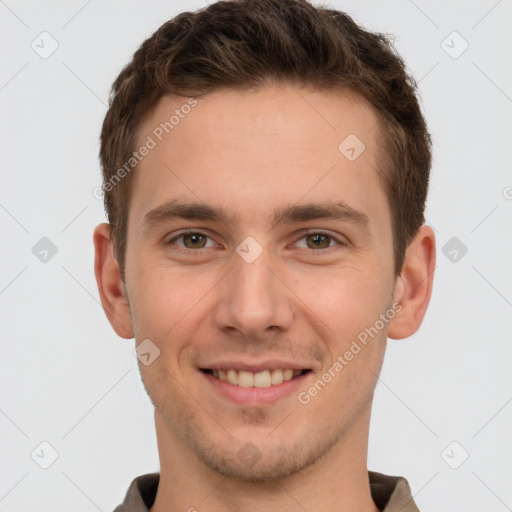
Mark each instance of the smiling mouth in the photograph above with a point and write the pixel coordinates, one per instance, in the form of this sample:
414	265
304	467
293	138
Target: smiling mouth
263	379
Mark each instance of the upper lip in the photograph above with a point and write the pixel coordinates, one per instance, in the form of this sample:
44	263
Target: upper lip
254	367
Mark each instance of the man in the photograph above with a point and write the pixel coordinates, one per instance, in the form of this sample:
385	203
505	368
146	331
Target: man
265	169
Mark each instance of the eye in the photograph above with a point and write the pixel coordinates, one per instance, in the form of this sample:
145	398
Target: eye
192	240
319	241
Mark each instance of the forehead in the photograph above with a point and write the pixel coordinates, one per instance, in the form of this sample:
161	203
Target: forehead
254	150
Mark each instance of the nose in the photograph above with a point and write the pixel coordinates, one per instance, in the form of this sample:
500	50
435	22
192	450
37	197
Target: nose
253	302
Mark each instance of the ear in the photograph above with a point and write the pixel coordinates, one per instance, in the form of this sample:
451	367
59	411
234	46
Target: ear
110	285
413	286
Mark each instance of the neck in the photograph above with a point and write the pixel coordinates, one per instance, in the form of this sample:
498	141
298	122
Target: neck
338	481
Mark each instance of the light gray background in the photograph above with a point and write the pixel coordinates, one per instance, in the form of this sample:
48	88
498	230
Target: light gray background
67	379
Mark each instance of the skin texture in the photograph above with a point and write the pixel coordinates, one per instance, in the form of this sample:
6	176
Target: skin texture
251	152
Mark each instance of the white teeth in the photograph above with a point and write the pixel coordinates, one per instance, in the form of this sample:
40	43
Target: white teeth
245	379
262	379
232	377
277	377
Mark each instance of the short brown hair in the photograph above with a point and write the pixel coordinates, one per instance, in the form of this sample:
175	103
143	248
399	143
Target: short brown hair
251	43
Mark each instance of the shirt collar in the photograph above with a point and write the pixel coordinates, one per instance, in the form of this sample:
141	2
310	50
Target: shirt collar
390	493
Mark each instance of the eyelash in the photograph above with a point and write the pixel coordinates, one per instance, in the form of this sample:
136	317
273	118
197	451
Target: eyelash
304	234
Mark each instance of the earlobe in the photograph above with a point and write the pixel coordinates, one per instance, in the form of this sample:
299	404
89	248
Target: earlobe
110	285
413	287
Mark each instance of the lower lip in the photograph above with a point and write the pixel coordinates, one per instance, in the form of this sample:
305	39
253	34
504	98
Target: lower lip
255	396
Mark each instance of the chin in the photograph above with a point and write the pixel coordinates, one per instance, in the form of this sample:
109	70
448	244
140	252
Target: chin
252	465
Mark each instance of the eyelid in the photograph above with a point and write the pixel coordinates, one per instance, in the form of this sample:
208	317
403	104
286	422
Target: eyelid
188	231
339	239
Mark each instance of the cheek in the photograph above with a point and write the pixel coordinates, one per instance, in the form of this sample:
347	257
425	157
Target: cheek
171	304
346	301
165	294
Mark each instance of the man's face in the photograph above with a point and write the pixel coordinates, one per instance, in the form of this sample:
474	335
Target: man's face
258	291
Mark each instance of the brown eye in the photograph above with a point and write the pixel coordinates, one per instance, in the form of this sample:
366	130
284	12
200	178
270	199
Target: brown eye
191	240
321	242
318	241
194	240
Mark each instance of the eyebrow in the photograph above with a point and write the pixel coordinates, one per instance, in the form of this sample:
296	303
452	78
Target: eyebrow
287	214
